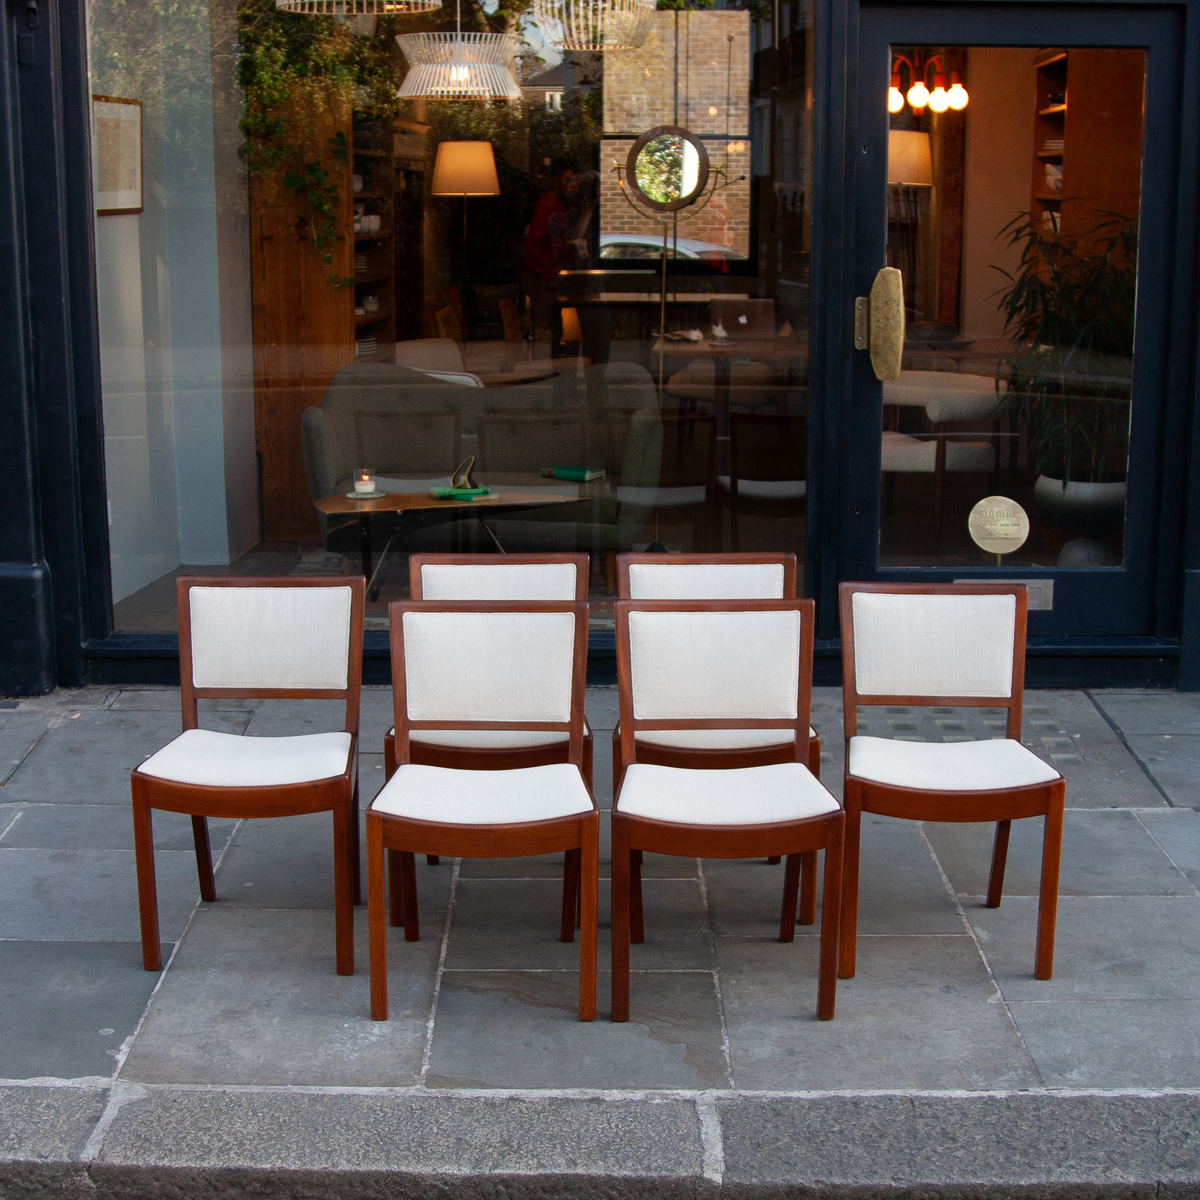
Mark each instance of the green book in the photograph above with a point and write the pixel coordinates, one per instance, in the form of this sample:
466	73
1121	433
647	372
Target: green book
574	474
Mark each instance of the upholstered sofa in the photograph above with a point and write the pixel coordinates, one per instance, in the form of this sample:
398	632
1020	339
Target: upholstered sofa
413	429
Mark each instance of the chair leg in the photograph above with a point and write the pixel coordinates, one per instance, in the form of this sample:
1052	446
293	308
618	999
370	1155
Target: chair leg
610	572
831	920
394	889
588	857
408	887
143	847
637	921
344	817
791	888
569	894
620	920
376	918
999	859
208	885
432	859
1048	897
618	763
355	846
808	889
774	860
814	755
939	478
852	802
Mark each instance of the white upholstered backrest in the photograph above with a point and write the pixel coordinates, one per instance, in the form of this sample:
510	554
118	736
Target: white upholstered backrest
713	665
504	581
940	645
270	637
469	666
706	581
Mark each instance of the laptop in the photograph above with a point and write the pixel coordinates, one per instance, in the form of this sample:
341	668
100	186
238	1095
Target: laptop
745	320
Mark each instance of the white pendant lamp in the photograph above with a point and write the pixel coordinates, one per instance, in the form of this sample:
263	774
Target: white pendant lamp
357	8
595	24
459	66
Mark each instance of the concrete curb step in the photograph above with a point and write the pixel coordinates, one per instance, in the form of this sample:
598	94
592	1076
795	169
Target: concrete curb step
127	1141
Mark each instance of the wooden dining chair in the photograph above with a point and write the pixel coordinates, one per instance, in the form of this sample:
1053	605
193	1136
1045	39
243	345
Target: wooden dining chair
762	576
490	577
959	645
279	637
485	666
728	665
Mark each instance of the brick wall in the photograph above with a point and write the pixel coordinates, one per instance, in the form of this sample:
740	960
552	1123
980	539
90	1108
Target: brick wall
714	87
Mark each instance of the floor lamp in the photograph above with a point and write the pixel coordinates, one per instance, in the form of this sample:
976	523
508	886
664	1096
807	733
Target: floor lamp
465	169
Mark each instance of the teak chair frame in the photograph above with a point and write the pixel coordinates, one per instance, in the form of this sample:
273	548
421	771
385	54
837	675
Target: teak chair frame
631	835
338	794
1002	805
403	837
467	758
756	756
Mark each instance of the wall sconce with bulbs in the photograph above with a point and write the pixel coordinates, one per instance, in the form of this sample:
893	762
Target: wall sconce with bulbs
919	95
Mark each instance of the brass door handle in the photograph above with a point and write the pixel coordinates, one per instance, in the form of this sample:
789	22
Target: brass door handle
879	323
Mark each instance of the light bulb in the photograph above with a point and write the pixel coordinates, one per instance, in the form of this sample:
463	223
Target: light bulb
712	110
918	94
938	100
895	100
957	95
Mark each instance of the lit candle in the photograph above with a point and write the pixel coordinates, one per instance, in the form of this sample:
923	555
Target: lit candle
364	479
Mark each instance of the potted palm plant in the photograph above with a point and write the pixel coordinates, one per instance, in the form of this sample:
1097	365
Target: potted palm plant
1070	314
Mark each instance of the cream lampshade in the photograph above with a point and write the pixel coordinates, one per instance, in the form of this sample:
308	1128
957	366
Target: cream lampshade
465	169
909	159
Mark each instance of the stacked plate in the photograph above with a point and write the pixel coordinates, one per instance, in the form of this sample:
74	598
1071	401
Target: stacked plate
360	264
366	346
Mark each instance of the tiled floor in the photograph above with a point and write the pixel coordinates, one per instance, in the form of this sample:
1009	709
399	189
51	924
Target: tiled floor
943	998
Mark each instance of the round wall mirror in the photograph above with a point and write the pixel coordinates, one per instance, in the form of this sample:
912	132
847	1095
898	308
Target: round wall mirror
667	168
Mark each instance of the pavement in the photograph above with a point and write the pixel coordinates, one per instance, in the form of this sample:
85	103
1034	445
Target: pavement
247	1067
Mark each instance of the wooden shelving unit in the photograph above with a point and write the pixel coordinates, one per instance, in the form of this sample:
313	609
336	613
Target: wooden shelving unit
1049	136
376	276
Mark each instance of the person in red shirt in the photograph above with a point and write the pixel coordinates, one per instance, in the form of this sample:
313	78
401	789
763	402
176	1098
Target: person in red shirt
547	253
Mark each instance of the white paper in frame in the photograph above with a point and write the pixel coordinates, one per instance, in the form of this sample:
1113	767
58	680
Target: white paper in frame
117	155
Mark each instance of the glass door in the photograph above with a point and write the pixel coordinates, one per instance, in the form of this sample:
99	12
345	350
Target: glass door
1016	167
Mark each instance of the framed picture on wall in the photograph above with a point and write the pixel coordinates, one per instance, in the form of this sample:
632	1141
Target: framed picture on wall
117	155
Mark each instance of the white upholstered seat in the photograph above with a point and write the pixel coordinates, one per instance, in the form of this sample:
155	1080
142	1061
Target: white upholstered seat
716	739
902	453
948	767
740	796
201	756
454	797
488	739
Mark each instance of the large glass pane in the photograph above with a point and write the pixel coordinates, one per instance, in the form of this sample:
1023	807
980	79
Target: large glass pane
315	254
1012	213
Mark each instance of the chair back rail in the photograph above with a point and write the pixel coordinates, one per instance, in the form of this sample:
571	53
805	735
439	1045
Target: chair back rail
750	576
488	664
960	645
496	577
270	637
714	664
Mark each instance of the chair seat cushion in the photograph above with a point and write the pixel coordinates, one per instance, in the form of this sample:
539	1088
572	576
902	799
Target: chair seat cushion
201	756
483	797
766	489
489	739
744	796
949	766
716	739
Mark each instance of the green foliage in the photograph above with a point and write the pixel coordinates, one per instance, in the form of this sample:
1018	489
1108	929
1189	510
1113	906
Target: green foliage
1070	314
659	169
292	66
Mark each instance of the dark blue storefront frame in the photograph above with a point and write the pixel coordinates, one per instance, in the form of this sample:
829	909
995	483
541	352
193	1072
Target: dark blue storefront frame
55	600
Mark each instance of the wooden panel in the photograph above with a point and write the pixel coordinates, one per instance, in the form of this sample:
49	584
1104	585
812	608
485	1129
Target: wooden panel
1102	157
303	324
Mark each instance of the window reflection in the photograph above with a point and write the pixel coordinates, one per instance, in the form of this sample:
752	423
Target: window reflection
297	299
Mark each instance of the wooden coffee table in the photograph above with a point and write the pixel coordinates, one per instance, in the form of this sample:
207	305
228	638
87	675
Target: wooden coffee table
421	505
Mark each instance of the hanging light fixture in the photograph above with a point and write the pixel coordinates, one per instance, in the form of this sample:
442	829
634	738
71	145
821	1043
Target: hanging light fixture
919	96
356	8
595	24
459	66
